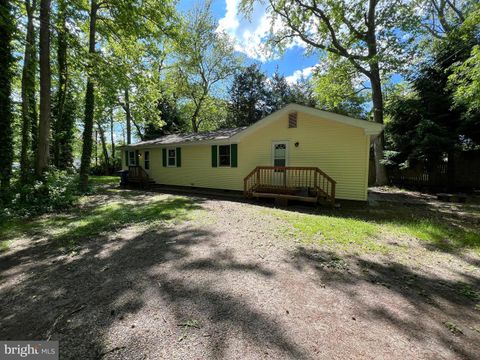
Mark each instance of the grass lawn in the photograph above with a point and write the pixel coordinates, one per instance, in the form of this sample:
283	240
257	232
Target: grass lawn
104	209
362	229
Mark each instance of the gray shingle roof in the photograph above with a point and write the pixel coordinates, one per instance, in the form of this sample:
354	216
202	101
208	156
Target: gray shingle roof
223	134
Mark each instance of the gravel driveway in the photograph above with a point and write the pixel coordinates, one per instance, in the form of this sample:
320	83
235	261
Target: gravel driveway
226	284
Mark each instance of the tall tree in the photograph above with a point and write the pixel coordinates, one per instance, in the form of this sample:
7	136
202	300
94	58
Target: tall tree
6	118
89	101
302	92
63	109
121	23
103	141
424	124
248	95
128	114
172	121
367	33
112	132
42	156
206	59
279	92
64	133
29	103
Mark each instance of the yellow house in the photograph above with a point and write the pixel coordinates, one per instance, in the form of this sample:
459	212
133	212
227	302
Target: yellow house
297	151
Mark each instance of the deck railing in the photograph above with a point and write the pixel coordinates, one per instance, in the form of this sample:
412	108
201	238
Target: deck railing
136	174
301	181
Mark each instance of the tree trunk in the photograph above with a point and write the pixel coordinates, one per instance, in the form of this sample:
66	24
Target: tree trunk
96	148
6	74
194	121
129	116
139	131
34	131
112	140
89	104
104	149
451	171
60	123
42	155
377	95
29	106
377	99
195	125
67	133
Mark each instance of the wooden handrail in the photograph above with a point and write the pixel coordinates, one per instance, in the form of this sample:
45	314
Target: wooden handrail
293	179
280	168
137	172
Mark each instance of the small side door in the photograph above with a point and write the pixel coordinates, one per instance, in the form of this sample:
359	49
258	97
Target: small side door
279	158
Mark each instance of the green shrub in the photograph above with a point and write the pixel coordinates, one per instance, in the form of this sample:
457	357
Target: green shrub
57	190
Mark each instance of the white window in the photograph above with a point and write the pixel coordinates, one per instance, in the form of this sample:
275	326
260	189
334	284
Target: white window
224	155
279	153
171	157
131	158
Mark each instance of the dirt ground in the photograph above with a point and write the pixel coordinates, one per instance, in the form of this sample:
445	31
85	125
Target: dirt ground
226	284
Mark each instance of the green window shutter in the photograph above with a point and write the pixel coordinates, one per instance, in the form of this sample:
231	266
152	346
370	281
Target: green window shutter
164	157
137	157
126	158
179	157
214	155
234	155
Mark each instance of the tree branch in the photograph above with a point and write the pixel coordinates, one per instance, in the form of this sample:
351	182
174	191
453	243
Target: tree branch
337	49
457	10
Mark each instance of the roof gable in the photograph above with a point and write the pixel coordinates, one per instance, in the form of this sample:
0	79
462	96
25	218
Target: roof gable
370	128
234	135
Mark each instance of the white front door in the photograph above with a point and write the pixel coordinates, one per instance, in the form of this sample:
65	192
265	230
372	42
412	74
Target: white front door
279	153
279	158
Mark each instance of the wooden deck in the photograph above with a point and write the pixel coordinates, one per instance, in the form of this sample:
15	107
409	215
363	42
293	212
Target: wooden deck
308	184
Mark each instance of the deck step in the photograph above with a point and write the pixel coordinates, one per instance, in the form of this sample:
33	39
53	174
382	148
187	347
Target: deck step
284	196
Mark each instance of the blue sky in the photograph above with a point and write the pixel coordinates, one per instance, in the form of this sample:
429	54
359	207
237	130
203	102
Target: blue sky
248	35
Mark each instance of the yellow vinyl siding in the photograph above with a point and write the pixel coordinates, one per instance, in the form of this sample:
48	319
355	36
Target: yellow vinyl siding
338	149
196	170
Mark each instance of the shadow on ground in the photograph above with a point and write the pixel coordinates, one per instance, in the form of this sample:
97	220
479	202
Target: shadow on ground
115	273
435	306
78	297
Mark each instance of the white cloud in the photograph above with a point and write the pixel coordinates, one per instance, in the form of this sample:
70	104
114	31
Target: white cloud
298	74
250	35
229	23
252	42
247	34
